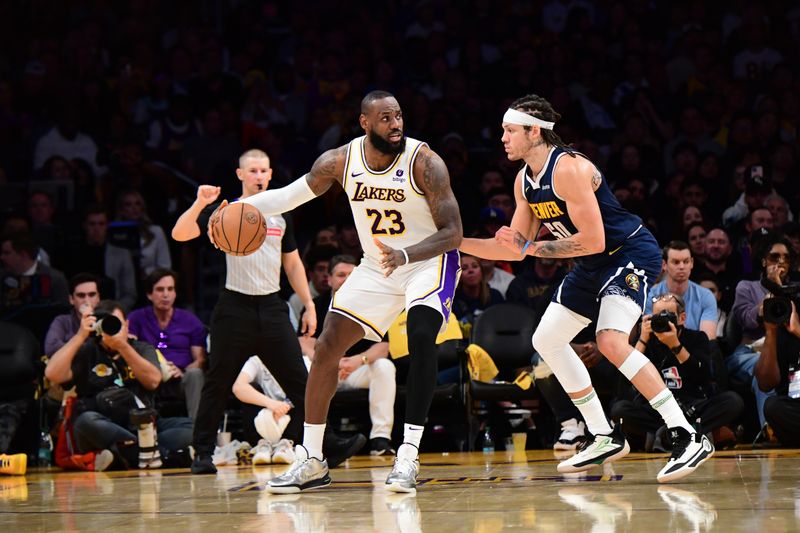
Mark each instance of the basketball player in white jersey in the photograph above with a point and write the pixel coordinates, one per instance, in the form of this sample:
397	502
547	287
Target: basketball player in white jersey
410	229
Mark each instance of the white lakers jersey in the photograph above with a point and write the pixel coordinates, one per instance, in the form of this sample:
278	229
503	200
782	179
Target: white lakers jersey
386	204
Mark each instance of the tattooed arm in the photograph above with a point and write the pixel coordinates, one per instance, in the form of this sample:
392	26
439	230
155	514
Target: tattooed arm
524	222
435	183
430	174
326	169
576	180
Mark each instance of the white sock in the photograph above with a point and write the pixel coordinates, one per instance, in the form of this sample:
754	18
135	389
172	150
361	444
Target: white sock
664	402
312	439
592	411
412	435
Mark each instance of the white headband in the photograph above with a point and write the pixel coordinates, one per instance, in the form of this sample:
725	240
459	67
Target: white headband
513	116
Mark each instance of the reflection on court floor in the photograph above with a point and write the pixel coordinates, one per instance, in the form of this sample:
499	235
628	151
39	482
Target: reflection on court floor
736	491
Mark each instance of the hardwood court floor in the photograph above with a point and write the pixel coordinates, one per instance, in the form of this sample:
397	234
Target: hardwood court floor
743	490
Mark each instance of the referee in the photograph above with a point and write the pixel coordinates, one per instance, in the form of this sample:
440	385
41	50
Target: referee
250	318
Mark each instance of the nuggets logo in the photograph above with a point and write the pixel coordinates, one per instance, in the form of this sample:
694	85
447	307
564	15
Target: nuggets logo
632	280
102	370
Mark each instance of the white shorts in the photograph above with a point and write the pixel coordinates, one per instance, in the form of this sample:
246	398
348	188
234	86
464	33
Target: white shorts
375	301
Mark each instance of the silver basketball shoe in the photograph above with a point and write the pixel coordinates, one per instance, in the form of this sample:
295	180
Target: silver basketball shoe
305	473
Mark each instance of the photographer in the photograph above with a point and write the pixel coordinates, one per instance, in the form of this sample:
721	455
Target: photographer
778	368
114	378
683	357
774	254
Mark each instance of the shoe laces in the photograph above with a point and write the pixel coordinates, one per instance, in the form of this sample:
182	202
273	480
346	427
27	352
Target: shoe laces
679	442
404	466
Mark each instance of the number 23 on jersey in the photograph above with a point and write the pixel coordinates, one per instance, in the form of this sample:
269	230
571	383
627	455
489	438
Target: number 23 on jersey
386	222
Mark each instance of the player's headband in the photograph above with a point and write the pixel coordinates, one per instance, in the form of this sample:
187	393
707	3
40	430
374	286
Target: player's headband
513	116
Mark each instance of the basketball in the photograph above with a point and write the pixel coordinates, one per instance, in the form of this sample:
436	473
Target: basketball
240	229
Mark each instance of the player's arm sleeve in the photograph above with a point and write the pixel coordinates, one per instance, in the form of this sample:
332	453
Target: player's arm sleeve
288	243
205	216
276	201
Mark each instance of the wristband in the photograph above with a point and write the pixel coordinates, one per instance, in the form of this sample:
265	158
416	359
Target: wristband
525	248
405	254
364	360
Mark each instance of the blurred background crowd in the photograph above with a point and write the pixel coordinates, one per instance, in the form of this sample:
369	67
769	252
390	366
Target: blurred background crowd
112	112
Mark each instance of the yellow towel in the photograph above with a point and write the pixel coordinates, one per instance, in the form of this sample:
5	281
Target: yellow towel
480	364
398	338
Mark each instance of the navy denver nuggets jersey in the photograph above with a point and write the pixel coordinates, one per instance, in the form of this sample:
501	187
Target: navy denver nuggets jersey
549	207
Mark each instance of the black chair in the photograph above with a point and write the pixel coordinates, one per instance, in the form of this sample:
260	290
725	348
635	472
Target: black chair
19	359
447	408
505	332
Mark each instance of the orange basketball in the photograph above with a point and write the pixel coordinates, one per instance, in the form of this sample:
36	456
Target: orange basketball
240	230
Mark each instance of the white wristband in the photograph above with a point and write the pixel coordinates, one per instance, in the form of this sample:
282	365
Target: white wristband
405	254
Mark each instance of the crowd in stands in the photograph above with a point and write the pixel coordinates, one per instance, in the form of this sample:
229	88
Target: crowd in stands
112	113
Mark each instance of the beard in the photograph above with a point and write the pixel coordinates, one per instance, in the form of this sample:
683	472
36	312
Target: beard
384	146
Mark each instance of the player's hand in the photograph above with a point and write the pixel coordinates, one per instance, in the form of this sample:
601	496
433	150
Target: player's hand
207	194
213	219
390	258
308	324
348	365
511	239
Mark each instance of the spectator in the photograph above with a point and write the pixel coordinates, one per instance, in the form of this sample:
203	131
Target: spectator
776	369
45	232
720	261
683	357
701	307
502	199
112	264
364	366
696	237
318	270
496	277
473	294
779	208
66	139
104	366
84	295
538	274
757	188
775	257
153	249
26	277
709	281
177	334
266	413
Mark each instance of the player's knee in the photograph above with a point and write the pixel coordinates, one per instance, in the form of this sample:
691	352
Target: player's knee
326	353
613	344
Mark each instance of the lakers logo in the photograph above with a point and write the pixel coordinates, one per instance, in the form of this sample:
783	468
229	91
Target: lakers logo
448	302
102	370
632	280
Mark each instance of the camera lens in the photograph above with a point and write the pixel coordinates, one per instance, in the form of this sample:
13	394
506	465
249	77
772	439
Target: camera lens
109	325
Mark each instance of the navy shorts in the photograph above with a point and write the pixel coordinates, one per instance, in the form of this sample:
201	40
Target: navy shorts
629	271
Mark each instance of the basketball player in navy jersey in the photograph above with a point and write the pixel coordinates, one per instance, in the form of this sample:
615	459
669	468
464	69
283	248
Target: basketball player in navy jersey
617	261
410	228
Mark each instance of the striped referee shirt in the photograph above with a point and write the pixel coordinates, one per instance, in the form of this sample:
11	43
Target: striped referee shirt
259	273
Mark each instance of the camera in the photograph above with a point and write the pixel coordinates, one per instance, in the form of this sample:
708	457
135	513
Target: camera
778	309
660	322
107	324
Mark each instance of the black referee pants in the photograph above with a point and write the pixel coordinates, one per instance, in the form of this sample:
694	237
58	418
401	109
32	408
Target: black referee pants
243	326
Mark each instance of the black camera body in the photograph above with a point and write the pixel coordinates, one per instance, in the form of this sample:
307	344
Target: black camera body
660	322
778	309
